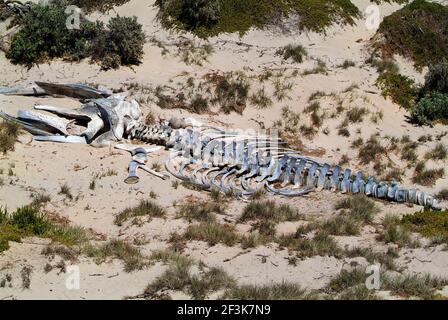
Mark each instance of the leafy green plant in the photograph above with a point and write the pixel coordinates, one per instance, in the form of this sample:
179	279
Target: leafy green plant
436	80
399	88
417	31
209	18
124	42
43	36
431	224
430	109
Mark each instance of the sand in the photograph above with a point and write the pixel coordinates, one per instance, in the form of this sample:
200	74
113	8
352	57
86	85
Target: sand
44	167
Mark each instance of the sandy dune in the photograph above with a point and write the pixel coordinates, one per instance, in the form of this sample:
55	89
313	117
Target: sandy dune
44	167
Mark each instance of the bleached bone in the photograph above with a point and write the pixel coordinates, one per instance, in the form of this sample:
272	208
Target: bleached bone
49	121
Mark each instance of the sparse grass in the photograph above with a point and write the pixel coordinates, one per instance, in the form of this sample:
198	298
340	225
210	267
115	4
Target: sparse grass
439	152
359	292
361	210
384	66
371	150
347	64
351	88
360	207
92	184
267	214
345	159
394	174
156	166
307	131
231	94
170	256
343	131
386	259
320	68
356	114
108	173
316	95
146	208
64	252
131	256
294	52
180	278
321	244
66	191
347	279
281	89
192	54
150	118
261	99
314	106
409	152
443	194
317	119
212	233
25	274
408	286
425	176
199	104
395	233
276	291
269	210
200	210
261	193
253	240
341	225
39	199
358	142
9	132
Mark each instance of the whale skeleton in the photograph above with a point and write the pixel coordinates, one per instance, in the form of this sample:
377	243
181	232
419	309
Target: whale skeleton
207	157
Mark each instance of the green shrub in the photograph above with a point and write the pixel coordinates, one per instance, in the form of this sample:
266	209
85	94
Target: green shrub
95	5
417	31
123	44
432	224
29	220
436	79
431	108
399	88
199	13
208	18
43	36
